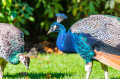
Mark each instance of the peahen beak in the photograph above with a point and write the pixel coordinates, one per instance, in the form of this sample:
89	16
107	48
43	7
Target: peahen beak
28	67
49	32
27	62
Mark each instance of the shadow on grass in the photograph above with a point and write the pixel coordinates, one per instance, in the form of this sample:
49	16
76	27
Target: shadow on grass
115	78
36	75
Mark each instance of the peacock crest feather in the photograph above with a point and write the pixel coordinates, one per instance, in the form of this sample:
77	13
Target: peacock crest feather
61	17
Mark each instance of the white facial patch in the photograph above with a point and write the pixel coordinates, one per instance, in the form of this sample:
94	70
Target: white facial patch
54	27
22	59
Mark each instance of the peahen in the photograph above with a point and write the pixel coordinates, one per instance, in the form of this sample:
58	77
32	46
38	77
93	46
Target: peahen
11	47
96	37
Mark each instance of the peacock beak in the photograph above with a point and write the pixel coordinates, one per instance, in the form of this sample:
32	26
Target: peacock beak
49	32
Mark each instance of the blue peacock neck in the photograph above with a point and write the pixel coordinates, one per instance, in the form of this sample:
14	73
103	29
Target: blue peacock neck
65	41
14	58
61	39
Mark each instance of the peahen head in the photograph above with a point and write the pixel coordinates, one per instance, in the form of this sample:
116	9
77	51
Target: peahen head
24	59
56	26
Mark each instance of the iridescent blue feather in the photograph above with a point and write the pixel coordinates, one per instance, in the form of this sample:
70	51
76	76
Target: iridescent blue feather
84	46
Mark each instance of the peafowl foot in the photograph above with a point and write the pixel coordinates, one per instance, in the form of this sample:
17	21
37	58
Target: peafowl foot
105	68
88	69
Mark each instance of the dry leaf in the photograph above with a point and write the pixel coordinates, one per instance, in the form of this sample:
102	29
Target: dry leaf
23	73
56	49
60	52
43	59
48	62
32	56
40	64
47	49
38	57
48	75
26	77
82	75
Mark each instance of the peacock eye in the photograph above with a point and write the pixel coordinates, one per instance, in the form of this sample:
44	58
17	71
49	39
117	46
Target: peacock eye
57	28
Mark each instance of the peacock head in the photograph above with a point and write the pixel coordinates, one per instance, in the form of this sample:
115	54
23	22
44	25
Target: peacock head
24	59
56	26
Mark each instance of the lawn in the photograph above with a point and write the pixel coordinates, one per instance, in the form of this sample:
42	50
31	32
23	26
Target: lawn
57	66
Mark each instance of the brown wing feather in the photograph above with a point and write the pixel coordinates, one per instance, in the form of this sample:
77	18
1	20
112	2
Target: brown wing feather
108	59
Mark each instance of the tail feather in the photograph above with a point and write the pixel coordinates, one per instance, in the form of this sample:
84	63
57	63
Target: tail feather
108	59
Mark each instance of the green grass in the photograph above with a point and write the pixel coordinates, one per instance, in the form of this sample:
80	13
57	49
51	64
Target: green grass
62	66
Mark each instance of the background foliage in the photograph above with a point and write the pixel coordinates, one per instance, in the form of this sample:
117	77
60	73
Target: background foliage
15	12
34	17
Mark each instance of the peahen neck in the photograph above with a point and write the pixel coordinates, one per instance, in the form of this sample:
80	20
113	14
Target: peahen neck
14	58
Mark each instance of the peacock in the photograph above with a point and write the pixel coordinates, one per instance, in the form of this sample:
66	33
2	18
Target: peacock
96	37
11	47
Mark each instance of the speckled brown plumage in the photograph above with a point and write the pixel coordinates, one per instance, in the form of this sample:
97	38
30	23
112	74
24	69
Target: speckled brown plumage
11	39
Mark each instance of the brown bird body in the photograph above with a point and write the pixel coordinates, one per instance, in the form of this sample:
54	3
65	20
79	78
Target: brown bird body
11	47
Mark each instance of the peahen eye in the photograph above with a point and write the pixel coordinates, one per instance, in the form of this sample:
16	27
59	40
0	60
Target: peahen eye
25	62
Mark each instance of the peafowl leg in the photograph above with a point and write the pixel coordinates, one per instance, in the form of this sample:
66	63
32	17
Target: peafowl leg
105	68
1	72
88	69
2	67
